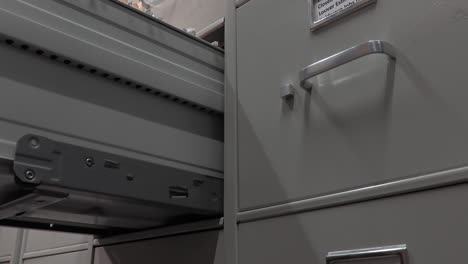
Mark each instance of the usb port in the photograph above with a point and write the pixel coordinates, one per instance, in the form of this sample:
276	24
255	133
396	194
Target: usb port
177	192
110	164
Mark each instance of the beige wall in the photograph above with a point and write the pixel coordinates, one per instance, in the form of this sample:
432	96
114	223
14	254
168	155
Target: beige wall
196	14
183	14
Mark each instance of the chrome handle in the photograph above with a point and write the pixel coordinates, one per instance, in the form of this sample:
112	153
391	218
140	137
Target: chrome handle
361	50
399	250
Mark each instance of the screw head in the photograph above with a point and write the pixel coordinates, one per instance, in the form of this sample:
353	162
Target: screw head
30	175
89	162
34	142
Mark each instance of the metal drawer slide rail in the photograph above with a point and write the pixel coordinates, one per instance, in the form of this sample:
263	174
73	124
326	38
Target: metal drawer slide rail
58	186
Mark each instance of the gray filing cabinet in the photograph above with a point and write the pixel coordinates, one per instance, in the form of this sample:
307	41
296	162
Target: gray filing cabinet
369	121
347	169
305	162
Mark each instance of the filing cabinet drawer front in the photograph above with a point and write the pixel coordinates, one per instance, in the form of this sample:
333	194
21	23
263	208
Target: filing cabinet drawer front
7	240
368	121
43	240
431	224
197	248
79	257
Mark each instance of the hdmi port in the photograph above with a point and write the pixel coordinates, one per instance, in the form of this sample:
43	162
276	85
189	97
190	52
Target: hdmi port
177	192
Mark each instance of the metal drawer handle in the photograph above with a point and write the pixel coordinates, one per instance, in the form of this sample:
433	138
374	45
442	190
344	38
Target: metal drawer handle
356	52
399	250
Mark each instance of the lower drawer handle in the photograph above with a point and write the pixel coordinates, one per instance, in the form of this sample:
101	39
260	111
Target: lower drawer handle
339	256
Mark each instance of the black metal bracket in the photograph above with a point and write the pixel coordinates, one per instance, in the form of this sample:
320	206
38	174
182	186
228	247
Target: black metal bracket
43	162
36	158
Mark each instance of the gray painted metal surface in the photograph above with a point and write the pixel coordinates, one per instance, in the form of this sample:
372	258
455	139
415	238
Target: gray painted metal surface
198	248
430	223
199	226
44	246
42	240
413	184
78	257
108	36
32	246
230	136
56	250
367	122
84	107
7	241
19	248
88	110
102	37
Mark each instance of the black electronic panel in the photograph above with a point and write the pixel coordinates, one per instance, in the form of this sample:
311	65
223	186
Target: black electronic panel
57	186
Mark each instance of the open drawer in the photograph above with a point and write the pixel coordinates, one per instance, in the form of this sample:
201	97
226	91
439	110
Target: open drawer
117	118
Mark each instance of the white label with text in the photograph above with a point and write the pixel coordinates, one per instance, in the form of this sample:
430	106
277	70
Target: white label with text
325	8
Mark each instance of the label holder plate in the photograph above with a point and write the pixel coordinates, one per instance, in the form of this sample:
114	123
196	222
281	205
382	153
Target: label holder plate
317	22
